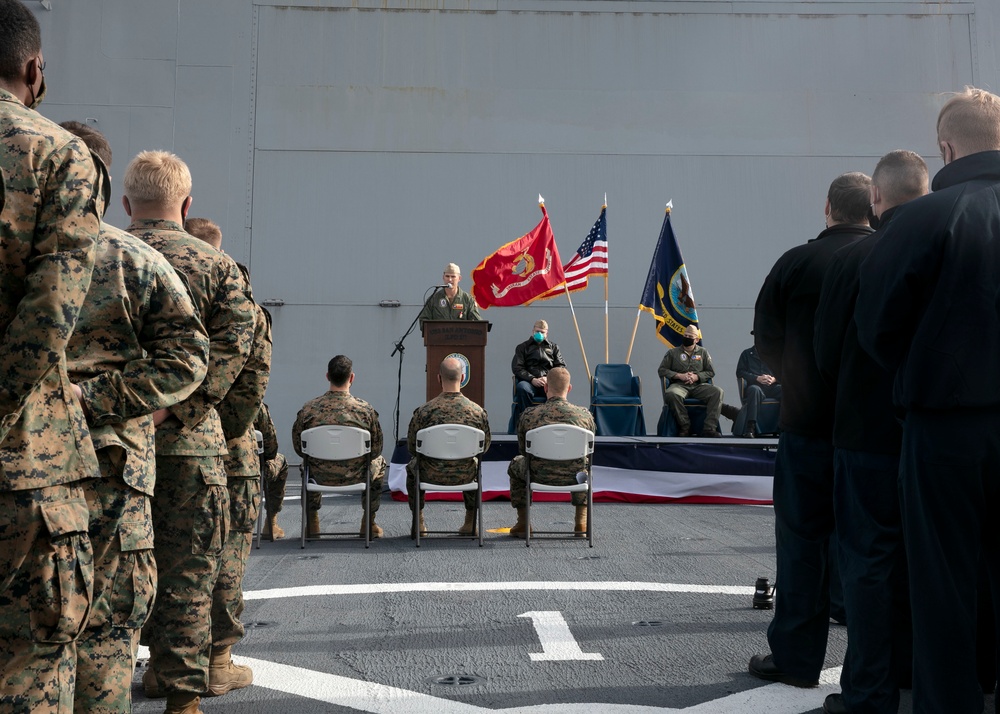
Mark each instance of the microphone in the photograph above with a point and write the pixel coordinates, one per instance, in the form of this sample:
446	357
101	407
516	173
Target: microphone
440	287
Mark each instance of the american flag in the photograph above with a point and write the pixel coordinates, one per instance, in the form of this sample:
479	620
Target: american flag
591	258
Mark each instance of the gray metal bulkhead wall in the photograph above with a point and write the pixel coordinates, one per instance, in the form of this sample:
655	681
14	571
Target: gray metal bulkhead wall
350	150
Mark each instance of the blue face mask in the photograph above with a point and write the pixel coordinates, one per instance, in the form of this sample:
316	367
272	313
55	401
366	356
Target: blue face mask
538	337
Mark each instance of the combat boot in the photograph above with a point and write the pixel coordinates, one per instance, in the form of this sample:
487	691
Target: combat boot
151	685
224	675
521	527
376	532
272	531
421	525
312	529
469	527
580	523
183	703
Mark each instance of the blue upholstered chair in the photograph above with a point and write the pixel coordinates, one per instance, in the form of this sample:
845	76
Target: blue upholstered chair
768	415
616	401
696	409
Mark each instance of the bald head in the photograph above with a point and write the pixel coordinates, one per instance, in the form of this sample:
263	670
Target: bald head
969	123
900	176
450	374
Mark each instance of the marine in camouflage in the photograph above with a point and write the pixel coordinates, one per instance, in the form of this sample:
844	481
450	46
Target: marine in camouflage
138	346
48	226
446	408
556	410
273	465
191	505
340	408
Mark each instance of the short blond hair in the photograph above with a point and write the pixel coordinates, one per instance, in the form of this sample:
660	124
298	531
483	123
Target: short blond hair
205	229
970	120
452	268
541	325
157	177
557	381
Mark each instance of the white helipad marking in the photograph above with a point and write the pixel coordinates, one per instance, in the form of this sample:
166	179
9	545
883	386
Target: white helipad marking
557	641
612	586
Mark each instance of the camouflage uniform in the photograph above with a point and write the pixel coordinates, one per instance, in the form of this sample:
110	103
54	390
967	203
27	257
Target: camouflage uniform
272	464
48	227
191	504
554	473
137	347
238	412
341	409
446	408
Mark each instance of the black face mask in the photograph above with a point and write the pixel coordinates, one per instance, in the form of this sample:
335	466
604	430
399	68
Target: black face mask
688	341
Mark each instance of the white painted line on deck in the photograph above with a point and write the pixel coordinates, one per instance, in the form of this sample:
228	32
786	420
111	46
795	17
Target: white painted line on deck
558	643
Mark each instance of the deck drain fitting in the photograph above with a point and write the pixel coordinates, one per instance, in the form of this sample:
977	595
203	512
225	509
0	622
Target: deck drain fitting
648	623
310	557
248	625
456	680
588	557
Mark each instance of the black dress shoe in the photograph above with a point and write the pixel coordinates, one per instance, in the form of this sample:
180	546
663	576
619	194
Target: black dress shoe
763	667
730	412
683	431
834	704
711	434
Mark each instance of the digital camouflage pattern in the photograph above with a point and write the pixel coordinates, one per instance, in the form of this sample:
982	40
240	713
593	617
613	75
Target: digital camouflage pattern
556	410
191	504
446	408
341	409
273	465
48	226
138	346
229	317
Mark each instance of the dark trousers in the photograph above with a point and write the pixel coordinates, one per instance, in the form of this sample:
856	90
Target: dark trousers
950	476
754	395
803	526
874	580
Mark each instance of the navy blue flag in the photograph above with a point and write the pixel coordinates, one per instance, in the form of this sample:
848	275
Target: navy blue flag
668	296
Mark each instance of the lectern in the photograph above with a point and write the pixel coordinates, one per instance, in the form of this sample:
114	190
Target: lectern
464	339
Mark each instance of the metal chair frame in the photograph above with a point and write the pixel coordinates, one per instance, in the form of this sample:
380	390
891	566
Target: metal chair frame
259	528
337	443
451	442
559	442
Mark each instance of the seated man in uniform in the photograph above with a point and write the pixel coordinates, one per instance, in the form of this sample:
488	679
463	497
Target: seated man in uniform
556	410
450	303
687	369
338	407
532	361
761	384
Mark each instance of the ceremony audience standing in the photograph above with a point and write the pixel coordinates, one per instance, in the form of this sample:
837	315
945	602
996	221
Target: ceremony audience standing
687	369
803	469
274	468
449	407
450	303
866	440
338	407
48	228
556	410
761	384
926	313
138	346
532	361
237	412
191	503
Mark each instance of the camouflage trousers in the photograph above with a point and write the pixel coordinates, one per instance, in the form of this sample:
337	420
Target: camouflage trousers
519	487
275	478
227	598
121	531
379	466
46	589
452	480
191	522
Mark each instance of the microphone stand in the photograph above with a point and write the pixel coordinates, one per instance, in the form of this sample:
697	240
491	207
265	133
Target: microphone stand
400	349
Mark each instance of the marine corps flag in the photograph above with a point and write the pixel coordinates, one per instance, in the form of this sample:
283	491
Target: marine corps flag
667	295
519	272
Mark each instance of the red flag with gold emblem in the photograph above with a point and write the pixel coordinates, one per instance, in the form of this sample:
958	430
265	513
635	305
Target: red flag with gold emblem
521	271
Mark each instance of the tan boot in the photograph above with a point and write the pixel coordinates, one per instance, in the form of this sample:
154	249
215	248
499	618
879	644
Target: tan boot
580	523
519	529
376	532
183	703
272	531
224	675
151	685
469	527
421	525
312	529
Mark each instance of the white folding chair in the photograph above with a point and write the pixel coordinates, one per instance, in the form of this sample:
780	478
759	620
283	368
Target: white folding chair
260	511
337	443
451	442
559	442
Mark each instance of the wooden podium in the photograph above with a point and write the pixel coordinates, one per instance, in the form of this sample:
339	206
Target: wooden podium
465	339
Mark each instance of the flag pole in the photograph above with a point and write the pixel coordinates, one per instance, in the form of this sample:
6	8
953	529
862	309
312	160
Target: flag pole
606	360
579	338
635	328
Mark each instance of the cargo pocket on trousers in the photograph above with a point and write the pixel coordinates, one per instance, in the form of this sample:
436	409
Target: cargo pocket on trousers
211	526
63	589
135	582
244	504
